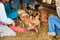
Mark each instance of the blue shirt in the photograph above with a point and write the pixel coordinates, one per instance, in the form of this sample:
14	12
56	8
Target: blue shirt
10	13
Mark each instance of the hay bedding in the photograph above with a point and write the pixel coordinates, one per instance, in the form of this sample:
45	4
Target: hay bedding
30	36
42	35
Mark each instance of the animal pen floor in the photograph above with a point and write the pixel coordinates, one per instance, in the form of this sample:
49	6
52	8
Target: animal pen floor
42	35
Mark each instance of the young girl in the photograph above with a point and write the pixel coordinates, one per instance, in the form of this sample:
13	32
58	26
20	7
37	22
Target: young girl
4	21
13	14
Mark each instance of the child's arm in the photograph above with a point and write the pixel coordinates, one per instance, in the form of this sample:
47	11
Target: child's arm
3	16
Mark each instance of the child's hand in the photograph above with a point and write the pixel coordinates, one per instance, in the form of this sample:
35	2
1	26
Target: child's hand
12	24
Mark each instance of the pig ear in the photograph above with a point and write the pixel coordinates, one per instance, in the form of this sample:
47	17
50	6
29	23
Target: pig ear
37	16
40	7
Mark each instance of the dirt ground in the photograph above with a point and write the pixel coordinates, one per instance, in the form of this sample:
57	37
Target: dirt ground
42	35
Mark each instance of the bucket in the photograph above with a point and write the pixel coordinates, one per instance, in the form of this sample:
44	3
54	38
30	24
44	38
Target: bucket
58	11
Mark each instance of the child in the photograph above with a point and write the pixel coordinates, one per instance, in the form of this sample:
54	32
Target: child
13	14
54	22
4	21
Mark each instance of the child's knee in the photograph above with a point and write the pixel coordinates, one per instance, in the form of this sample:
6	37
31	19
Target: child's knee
7	34
12	33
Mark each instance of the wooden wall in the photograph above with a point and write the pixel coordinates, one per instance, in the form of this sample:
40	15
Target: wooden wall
52	5
41	1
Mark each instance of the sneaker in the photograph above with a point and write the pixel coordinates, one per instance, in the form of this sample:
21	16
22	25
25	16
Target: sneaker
52	33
